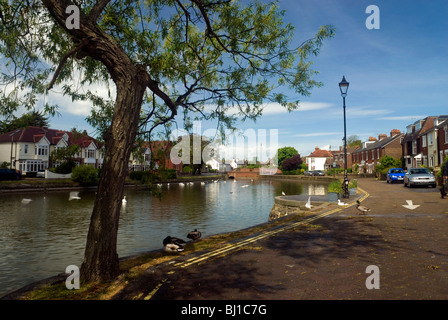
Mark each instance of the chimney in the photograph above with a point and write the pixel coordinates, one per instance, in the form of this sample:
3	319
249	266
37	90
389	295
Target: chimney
316	148
382	136
395	132
372	139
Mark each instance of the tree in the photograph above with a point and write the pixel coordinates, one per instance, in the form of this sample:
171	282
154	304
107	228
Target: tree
285	153
293	163
203	58
353	141
32	118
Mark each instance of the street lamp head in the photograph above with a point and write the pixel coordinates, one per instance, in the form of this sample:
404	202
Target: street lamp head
343	86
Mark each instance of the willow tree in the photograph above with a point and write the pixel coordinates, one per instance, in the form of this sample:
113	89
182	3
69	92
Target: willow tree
196	58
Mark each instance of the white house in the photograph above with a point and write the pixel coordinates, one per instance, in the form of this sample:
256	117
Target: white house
319	159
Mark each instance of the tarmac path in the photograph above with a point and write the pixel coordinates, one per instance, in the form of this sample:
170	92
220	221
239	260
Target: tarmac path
325	256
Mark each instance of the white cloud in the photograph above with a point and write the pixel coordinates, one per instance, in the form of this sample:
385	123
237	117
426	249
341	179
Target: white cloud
408	118
317	134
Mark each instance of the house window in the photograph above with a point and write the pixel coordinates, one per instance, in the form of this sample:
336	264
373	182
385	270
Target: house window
446	135
43	150
424	141
414	146
430	139
26	147
89	153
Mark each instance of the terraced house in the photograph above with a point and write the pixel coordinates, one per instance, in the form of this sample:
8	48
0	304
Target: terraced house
367	157
426	142
29	149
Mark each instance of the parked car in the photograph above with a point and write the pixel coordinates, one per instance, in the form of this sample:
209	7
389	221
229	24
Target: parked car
314	173
419	177
10	174
395	175
40	174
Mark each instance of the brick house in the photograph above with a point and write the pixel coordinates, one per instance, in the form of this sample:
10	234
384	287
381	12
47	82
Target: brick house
367	157
425	142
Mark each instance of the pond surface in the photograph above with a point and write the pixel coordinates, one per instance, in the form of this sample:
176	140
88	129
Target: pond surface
39	239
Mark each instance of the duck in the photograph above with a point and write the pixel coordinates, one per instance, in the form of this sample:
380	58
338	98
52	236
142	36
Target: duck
361	209
172	244
74	195
124	201
342	203
245	186
283	194
308	203
194	235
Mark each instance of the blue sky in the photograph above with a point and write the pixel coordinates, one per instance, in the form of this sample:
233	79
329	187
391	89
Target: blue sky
398	73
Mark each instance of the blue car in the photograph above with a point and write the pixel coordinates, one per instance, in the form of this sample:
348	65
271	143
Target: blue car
395	175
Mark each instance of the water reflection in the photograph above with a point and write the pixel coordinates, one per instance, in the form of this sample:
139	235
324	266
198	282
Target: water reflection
41	238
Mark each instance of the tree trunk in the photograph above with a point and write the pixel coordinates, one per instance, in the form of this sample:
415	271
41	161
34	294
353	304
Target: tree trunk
101	257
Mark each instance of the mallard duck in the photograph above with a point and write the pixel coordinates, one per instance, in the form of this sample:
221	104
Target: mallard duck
172	244
341	203
361	209
194	235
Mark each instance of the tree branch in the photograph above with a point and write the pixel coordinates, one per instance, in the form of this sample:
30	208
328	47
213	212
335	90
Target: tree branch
63	60
97	9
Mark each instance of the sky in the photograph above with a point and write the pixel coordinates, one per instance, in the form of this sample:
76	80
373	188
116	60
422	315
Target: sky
398	73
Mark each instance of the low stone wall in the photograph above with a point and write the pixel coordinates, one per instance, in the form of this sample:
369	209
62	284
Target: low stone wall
293	205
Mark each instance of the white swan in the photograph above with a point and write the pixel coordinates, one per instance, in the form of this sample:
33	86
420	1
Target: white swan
124	201
74	195
308	203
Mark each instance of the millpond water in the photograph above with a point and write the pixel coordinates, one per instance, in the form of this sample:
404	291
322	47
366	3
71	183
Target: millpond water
41	237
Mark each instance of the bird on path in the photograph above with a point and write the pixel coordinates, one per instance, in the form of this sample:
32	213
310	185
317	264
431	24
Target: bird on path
361	209
308	203
172	244
342	203
194	235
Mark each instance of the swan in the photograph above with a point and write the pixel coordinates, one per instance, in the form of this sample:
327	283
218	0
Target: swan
308	203
341	203
74	195
124	201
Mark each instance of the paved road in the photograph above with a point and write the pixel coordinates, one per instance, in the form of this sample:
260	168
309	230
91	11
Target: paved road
325	258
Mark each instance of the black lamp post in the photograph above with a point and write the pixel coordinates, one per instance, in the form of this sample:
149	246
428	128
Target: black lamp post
343	86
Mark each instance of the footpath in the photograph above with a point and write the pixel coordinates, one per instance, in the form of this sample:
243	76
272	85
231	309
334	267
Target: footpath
398	251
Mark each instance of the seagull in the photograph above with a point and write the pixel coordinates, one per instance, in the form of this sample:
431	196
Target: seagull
124	201
361	209
26	201
74	195
308	203
341	203
172	244
194	235
284	194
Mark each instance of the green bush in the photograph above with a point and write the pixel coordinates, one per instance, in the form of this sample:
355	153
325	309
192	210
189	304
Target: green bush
187	169
144	177
168	174
335	186
85	175
65	167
